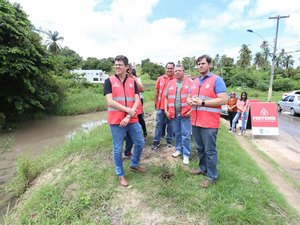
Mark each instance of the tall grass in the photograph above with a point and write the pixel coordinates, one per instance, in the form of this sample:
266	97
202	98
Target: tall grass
82	101
80	187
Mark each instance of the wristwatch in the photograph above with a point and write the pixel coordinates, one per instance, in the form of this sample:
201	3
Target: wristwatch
128	116
203	103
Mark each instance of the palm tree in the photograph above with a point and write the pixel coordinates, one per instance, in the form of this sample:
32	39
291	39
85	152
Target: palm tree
280	58
287	61
265	49
259	60
245	57
52	42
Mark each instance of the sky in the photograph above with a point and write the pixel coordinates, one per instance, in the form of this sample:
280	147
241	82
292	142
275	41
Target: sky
167	30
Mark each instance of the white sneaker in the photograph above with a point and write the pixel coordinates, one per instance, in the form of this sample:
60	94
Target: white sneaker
176	154
186	160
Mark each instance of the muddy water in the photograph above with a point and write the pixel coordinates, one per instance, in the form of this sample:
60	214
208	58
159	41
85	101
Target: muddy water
35	137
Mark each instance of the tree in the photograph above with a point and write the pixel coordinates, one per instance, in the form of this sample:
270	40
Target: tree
287	61
188	63
152	69
92	63
265	49
70	58
52	42
26	83
259	60
245	57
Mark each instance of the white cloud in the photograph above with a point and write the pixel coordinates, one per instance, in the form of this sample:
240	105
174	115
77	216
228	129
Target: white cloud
124	27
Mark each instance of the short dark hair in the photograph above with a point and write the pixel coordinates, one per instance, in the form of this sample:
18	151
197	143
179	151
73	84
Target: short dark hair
133	72
171	64
122	58
207	57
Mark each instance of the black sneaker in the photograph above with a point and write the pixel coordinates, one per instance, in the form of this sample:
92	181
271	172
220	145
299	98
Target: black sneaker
155	145
169	145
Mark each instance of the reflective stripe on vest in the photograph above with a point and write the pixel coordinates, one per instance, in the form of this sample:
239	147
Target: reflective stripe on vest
172	88
123	93
162	82
208	117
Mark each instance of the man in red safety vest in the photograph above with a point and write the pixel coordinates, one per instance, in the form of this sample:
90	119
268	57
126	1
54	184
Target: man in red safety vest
208	93
178	111
123	99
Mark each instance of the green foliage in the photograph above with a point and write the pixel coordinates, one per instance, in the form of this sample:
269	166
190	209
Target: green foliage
92	63
82	100
26	171
25	82
283	84
262	86
245	57
70	59
152	69
189	64
52	42
243	78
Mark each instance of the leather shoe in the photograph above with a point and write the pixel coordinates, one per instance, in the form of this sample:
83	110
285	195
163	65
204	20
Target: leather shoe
138	169
206	183
196	172
123	182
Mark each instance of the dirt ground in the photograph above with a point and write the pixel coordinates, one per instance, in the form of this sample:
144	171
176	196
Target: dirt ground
284	150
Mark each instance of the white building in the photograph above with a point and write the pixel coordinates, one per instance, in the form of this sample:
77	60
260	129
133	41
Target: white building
93	76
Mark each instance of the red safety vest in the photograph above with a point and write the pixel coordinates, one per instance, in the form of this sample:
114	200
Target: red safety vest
172	88
161	85
205	116
123	93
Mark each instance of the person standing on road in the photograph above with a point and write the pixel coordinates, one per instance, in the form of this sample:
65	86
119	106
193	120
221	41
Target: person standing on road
178	112
161	119
231	107
123	99
207	95
242	112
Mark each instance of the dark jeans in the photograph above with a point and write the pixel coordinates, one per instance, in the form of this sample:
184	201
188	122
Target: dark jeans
231	115
143	124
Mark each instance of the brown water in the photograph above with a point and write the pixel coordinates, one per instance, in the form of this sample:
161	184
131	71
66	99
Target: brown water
35	137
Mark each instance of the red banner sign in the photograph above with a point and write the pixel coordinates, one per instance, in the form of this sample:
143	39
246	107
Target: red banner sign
264	118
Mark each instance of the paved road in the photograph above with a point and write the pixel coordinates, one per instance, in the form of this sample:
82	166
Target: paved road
289	124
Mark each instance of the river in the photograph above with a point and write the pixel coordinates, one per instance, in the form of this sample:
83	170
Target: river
34	137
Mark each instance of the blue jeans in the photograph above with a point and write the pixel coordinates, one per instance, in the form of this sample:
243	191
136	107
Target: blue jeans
161	120
128	144
118	135
236	119
182	130
205	142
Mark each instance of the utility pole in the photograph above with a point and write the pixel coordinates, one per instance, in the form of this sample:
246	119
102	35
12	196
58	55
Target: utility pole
274	56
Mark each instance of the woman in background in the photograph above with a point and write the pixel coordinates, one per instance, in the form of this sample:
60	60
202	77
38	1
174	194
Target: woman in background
242	112
231	107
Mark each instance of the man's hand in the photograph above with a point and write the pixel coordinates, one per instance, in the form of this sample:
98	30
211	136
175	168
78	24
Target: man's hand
167	114
124	121
131	112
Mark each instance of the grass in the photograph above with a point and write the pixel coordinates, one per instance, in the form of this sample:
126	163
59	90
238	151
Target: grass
256	94
83	101
77	185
